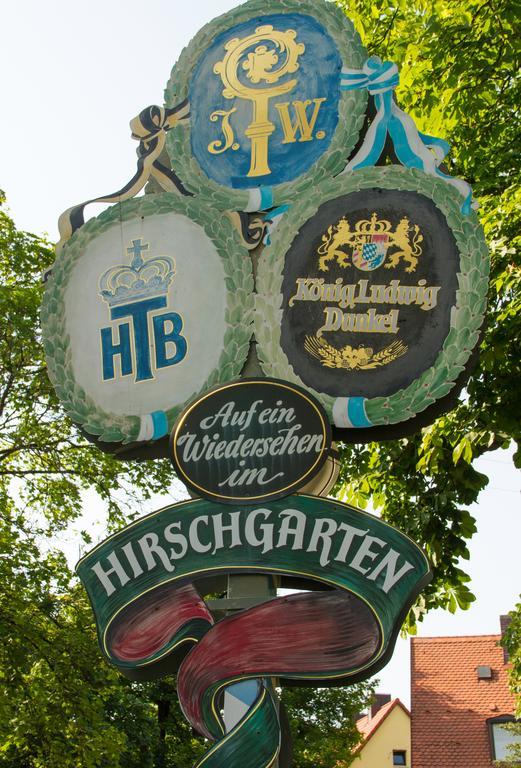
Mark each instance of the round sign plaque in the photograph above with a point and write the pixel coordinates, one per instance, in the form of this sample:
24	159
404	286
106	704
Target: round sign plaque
267	113
372	295
147	306
250	440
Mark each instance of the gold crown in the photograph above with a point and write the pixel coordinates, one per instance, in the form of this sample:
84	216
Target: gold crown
367	227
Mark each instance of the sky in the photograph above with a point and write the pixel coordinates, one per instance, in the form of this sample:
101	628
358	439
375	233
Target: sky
73	76
493	567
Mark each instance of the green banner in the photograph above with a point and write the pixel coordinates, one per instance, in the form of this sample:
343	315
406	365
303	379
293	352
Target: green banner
302	536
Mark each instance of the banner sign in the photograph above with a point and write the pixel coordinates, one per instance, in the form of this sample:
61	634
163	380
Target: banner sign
147	306
372	295
267	109
250	440
307	536
149	613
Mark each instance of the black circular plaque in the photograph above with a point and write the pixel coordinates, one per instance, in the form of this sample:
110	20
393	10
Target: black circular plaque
250	440
372	295
368	287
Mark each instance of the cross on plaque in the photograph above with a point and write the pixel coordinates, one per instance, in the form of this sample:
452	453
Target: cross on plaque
135	250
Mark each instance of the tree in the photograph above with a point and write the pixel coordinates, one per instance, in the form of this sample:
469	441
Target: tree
459	79
60	704
42	455
323	724
511	642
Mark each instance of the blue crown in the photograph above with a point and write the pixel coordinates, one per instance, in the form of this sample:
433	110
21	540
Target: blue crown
141	280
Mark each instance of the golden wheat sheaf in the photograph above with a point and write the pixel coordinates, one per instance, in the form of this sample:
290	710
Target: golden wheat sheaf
352	358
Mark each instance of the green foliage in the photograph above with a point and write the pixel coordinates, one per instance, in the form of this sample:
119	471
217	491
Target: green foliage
322	722
511	641
514	749
459	79
61	705
459	76
43	457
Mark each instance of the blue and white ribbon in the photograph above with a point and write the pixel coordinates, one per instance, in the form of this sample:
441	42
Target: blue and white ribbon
413	148
153	426
349	413
272	221
259	199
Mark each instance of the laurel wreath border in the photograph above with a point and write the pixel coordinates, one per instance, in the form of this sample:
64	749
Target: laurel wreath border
352	104
79	406
466	317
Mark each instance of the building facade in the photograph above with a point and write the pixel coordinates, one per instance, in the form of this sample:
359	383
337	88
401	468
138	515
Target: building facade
460	700
387	735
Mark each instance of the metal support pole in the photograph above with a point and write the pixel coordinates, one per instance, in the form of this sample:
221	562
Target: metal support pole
242	592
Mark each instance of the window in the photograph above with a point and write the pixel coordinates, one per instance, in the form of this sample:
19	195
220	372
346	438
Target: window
500	737
484	673
399	757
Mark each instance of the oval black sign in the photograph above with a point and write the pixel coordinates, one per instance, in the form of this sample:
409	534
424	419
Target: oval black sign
250	440
372	294
369	285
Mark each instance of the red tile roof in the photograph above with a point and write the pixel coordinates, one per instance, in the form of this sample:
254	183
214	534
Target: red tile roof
367	725
450	705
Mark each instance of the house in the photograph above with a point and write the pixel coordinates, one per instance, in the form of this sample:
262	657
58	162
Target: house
460	700
386	732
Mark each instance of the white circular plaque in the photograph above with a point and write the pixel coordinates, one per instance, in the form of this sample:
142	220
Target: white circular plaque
147	306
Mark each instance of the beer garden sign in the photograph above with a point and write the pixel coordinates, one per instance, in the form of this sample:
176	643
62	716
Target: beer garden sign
369	294
251	440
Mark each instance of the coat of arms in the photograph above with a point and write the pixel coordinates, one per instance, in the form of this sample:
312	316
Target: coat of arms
369	243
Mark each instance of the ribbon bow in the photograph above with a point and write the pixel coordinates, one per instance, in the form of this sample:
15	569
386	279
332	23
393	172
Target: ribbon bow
149	128
152	122
413	148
